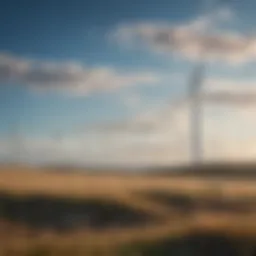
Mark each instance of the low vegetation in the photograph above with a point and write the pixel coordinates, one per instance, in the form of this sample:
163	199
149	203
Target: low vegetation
75	213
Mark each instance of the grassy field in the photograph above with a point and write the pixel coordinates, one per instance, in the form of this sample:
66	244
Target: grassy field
54	213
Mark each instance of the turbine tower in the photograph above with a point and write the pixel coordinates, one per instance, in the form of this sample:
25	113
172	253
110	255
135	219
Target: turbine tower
196	121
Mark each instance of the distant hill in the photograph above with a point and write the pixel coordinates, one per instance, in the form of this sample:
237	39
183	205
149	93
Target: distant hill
238	170
230	170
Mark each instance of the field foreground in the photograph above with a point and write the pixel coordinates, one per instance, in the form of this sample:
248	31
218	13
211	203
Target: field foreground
54	213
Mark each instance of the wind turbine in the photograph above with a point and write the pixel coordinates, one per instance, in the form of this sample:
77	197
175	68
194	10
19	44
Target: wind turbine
194	89
196	97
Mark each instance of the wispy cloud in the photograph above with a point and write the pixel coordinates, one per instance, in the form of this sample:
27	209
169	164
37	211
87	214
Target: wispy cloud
68	76
156	137
196	39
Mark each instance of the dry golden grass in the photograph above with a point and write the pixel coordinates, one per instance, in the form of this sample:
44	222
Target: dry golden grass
124	189
35	180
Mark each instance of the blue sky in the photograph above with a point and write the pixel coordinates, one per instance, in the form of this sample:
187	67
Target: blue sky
76	31
69	65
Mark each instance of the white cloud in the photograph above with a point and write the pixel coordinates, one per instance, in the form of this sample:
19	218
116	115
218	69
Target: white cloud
72	77
230	91
197	39
230	85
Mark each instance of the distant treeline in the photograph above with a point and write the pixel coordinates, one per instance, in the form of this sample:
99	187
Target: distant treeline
238	170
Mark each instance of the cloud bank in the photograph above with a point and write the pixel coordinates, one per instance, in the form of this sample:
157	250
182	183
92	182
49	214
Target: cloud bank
196	40
67	76
157	137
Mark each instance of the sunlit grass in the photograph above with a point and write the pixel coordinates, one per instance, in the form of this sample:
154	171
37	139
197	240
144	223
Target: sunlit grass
128	190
